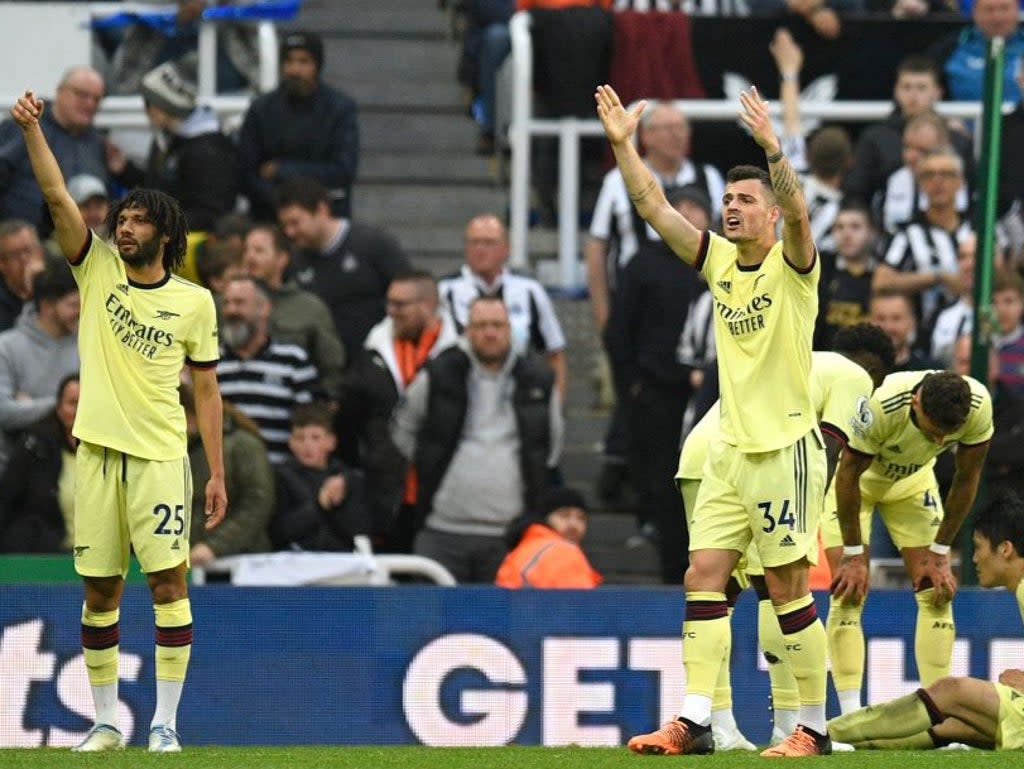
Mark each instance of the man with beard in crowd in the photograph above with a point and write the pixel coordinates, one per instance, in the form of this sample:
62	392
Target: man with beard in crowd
301	128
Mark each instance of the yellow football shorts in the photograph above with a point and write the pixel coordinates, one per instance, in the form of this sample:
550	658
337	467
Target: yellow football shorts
911	510
771	498
1010	731
124	502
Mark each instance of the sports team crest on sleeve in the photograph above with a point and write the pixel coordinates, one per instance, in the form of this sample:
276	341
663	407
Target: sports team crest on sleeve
863	417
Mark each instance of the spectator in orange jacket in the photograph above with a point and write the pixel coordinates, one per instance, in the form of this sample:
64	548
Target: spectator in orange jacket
545	550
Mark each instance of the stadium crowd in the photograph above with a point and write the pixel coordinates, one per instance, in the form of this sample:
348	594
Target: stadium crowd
317	308
368	402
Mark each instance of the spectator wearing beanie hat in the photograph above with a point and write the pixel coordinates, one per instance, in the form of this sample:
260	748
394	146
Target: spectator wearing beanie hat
303	128
545	548
189	158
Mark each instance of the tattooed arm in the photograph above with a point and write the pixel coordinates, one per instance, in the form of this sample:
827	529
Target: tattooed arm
797	242
644	190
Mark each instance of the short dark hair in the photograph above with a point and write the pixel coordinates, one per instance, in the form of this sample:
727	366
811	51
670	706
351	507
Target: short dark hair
214	260
1008	280
277	237
302	191
1002	520
230	226
945	399
64	382
892	293
422	278
918	64
829	151
866	337
314	414
167	217
855	205
53	283
743	172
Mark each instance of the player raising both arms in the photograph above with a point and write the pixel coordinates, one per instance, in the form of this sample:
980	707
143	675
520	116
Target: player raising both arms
765	475
140	325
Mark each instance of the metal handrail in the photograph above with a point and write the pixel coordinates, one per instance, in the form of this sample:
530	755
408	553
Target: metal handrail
524	126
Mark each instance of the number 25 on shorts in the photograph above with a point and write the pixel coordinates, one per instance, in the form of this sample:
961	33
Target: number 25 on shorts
166	514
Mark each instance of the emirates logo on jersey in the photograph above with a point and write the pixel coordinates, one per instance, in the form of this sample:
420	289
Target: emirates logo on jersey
145	339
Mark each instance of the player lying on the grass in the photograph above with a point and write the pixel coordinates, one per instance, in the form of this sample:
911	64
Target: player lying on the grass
863	355
966	710
910	419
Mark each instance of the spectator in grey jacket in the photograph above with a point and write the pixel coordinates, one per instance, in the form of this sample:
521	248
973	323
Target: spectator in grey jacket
40	350
482	424
297	316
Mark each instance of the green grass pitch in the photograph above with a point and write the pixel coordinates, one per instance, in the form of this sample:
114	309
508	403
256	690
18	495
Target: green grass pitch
484	758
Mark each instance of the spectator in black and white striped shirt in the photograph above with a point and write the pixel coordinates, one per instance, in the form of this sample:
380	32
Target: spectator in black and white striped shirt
921	259
535	325
263	378
902	198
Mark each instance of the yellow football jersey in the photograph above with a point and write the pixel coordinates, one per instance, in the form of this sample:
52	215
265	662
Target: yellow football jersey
695	447
837	385
133	341
764	319
1020	599
882	428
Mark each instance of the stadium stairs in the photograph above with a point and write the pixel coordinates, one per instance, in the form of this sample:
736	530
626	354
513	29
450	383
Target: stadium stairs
420	180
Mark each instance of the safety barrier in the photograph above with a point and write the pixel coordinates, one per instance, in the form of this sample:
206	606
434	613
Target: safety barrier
431	665
69	25
523	127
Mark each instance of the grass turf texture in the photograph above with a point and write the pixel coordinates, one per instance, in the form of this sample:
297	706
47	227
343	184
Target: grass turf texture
483	758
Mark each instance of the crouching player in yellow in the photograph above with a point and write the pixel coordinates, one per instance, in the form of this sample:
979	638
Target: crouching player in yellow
898	432
966	710
863	355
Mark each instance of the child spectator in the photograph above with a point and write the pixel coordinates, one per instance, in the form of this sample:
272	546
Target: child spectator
1008	303
320	504
545	550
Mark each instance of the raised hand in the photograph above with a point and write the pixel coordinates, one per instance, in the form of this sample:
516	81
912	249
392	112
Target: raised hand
789	57
619	125
755	116
27	110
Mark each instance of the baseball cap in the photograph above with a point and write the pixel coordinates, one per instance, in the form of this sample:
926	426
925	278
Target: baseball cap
84	187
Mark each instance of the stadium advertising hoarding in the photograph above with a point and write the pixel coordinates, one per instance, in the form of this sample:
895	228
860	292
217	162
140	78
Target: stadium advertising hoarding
437	666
